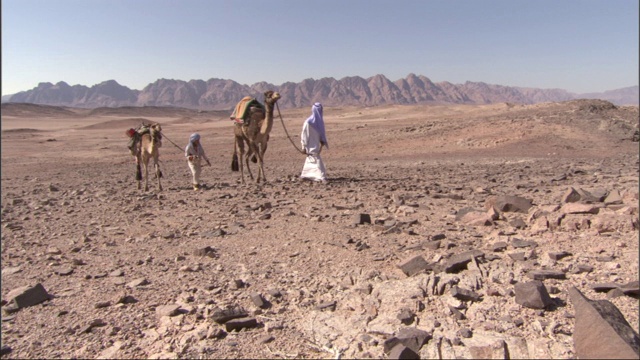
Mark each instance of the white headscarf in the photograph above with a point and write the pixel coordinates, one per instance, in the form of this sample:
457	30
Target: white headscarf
316	121
191	149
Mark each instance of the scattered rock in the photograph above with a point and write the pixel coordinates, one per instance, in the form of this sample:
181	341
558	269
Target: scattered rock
459	261
138	282
547	274
601	331
508	203
221	316
532	294
168	310
413	265
27	296
240	323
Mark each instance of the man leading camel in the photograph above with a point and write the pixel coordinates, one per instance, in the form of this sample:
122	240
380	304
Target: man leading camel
194	152
313	138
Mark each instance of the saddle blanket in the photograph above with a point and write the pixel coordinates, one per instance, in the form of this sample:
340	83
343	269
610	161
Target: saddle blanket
241	111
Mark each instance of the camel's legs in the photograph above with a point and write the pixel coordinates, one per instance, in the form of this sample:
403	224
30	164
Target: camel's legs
250	152
158	173
139	175
260	154
146	175
240	151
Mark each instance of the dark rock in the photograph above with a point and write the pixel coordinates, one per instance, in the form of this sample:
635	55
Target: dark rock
632	288
402	352
508	203
264	339
604	287
406	316
570	196
614	293
94	323
558	255
221	316
579	269
438	237
240	323
457	313
492	257
601	331
433	245
499	246
519	256
413	338
518	223
207	251
547	274
519	243
126	299
459	261
464	294
532	294
360	219
389	344
331	305
258	300
465	332
5	350
102	304
28	296
413	265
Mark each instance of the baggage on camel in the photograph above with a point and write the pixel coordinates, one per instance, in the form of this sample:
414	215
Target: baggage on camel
244	109
134	137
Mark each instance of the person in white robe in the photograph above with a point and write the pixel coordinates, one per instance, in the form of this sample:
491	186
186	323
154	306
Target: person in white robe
313	139
194	152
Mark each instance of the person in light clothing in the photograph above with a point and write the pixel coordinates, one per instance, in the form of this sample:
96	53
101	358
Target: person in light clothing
194	154
313	139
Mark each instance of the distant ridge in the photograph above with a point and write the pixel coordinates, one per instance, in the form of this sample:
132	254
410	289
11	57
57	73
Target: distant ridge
220	94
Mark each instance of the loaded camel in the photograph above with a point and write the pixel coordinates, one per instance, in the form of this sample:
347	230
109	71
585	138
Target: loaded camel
256	135
148	149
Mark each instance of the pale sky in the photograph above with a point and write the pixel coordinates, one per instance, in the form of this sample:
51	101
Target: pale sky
577	45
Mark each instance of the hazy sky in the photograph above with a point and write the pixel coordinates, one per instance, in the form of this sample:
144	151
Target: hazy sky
577	45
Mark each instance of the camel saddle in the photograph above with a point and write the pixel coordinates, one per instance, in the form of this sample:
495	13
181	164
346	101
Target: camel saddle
244	109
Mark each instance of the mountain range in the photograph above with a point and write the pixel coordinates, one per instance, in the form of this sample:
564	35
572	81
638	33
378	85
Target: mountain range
221	94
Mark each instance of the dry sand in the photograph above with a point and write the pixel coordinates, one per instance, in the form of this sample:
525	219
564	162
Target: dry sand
74	221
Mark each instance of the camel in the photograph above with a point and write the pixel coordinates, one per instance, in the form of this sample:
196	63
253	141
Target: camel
148	148
256	135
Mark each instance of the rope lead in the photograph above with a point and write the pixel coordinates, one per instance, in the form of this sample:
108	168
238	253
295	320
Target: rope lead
286	132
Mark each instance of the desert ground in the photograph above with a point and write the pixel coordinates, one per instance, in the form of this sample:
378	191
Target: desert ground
313	270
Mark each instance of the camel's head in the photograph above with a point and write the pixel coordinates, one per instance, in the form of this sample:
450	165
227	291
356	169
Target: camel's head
156	128
271	96
156	133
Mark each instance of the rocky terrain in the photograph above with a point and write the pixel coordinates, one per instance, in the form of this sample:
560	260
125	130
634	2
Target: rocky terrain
223	94
444	231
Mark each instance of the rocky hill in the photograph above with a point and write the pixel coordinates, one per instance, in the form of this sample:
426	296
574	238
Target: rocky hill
220	94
